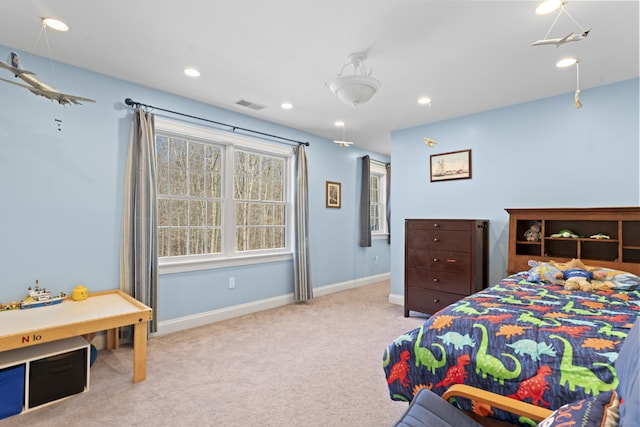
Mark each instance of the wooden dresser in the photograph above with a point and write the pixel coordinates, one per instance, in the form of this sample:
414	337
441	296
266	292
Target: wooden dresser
445	260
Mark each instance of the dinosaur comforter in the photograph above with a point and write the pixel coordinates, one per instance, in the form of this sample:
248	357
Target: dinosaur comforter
531	341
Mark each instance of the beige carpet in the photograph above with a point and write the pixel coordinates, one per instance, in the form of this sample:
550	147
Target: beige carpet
311	364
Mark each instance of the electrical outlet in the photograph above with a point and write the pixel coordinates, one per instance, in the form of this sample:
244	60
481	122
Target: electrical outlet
232	282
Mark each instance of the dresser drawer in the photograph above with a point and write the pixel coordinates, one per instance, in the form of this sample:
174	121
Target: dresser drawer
428	301
439	280
443	240
440	224
453	262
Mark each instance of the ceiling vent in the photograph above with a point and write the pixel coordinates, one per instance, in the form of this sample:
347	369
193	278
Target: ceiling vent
249	104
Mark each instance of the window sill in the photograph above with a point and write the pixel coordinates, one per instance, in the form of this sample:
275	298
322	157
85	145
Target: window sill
380	236
171	267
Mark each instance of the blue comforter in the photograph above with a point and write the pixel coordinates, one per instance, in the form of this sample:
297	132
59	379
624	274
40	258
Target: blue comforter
531	341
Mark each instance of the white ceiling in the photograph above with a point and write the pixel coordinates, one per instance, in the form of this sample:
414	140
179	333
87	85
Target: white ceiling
468	56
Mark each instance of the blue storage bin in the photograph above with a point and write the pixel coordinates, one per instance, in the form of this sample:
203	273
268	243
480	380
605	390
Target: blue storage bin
11	390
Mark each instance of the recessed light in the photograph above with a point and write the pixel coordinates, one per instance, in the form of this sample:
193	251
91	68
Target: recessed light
55	24
566	62
425	100
339	123
192	72
548	6
286	106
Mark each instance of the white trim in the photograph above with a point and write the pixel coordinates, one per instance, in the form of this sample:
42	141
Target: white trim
213	263
200	319
221	136
396	299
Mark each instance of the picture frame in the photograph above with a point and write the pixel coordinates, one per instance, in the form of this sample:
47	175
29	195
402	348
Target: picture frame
450	166
333	194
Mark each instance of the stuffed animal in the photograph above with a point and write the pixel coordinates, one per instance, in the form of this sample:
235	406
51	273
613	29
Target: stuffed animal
533	234
578	276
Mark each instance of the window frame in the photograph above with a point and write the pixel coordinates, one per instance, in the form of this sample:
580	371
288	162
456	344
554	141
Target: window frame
380	170
230	142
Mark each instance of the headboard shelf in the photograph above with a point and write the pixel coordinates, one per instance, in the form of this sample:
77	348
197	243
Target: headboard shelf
606	237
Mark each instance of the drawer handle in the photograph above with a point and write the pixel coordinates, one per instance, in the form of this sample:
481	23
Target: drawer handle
435	239
436	300
435	279
453	261
436	225
436	260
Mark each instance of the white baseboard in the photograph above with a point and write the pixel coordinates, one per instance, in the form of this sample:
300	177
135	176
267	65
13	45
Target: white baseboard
200	319
396	299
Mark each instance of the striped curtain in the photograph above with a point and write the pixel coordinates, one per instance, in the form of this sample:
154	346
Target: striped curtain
365	204
302	287
388	182
138	248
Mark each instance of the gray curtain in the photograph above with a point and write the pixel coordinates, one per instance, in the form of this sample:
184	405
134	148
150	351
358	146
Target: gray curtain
365	204
138	248
388	167
302	287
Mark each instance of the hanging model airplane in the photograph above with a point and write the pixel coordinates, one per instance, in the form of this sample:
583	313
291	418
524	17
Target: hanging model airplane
36	86
571	37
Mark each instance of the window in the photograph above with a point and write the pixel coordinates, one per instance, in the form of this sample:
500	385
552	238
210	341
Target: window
221	197
378	196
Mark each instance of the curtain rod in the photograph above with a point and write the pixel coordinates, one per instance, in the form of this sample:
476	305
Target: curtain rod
130	102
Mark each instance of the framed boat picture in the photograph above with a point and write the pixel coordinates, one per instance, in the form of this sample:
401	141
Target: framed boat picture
452	165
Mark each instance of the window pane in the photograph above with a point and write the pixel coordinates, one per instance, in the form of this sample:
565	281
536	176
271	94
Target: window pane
178	241
256	214
255	239
215	241
214	214
213	185
163	242
178	182
163	212
162	151
196	183
162	180
197	213
278	215
197	241
196	156
179	212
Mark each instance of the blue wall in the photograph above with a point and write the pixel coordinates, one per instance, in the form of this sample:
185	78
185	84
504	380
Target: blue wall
62	174
538	154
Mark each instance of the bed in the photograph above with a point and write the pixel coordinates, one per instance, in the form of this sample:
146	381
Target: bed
525	337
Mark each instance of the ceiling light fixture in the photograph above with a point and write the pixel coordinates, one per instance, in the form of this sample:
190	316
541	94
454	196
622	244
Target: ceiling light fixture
548	6
286	106
342	142
54	24
357	88
192	72
425	100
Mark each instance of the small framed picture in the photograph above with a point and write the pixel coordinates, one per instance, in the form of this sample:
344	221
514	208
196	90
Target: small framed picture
333	194
453	165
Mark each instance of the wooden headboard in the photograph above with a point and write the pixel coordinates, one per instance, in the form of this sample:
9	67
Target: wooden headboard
620	251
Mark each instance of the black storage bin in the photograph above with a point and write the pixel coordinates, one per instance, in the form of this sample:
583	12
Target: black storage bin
58	376
11	390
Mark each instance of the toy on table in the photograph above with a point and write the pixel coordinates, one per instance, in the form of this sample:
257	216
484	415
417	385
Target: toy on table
39	297
578	276
600	236
80	293
534	233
